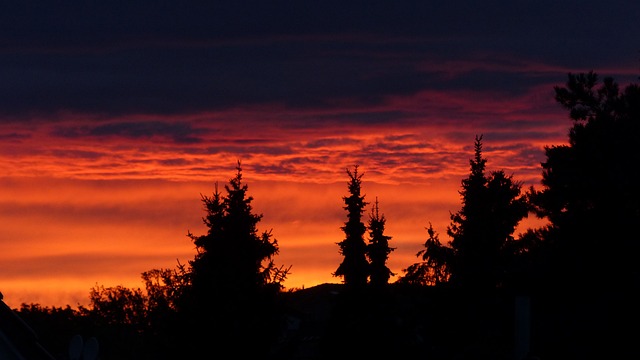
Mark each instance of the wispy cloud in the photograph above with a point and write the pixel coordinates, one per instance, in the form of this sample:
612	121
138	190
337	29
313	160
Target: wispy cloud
179	132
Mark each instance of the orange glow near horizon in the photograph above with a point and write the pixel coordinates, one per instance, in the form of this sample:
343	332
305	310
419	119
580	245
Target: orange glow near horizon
65	236
97	201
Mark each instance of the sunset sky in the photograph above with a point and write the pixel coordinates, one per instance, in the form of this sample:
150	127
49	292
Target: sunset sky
116	116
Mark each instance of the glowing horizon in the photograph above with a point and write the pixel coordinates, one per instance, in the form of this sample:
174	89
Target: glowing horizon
107	228
112	126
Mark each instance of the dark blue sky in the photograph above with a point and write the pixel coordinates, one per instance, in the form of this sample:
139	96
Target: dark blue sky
118	57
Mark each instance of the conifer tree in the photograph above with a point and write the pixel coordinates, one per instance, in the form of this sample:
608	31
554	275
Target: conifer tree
234	280
378	249
233	255
354	267
491	209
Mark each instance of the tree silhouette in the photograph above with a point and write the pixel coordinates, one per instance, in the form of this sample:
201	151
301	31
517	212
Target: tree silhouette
492	207
234	281
590	193
226	298
119	320
591	198
378	249
248	261
118	305
354	267
165	290
434	268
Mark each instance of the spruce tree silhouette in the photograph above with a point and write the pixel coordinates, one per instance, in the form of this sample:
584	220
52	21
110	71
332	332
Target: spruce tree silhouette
354	267
492	207
363	322
378	249
234	279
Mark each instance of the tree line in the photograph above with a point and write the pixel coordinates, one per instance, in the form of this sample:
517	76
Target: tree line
580	269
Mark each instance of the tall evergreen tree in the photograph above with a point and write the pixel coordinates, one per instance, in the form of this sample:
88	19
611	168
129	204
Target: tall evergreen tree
233	255
378	249
234	280
354	267
491	209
